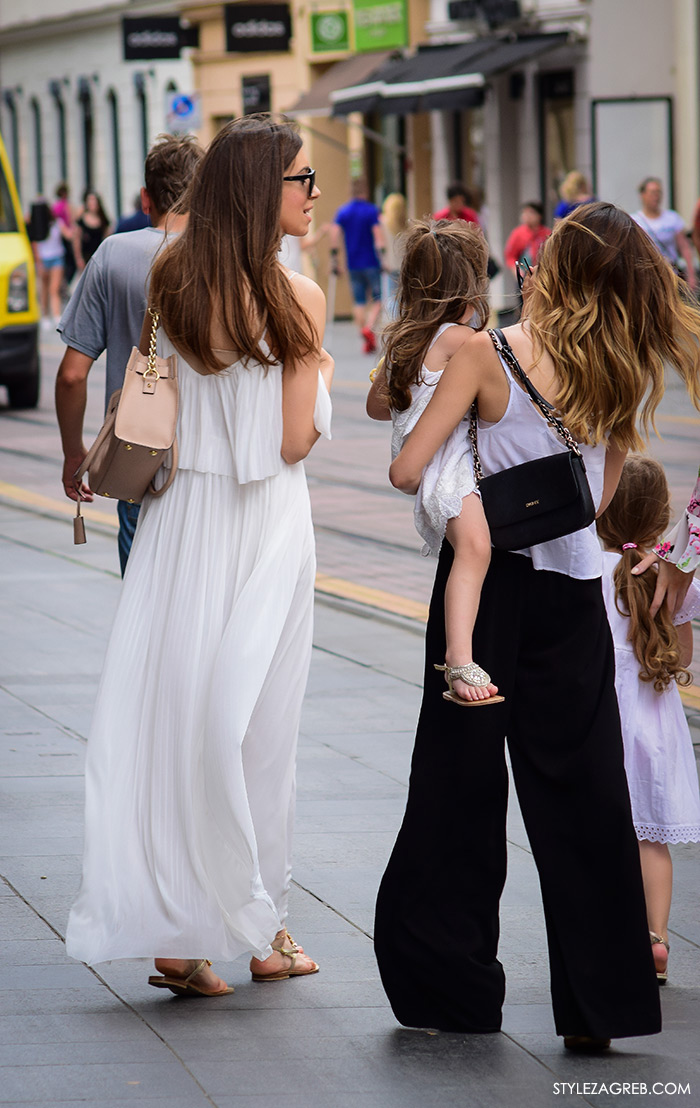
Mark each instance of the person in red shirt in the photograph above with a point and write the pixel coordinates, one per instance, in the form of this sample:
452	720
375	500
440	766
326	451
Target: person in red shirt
526	239
457	205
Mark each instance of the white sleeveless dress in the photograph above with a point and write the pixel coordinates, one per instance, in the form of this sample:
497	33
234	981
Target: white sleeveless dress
449	475
191	756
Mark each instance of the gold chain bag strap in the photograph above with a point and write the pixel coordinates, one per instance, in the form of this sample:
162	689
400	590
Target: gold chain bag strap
138	431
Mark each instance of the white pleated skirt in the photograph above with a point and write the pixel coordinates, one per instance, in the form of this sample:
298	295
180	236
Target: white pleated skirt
191	755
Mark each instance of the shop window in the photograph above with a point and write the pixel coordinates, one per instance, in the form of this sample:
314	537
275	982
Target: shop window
35	109
142	108
557	134
113	111
220	121
8	99
57	93
467	151
385	155
87	131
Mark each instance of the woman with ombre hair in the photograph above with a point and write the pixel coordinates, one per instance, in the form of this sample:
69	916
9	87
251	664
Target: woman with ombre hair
603	316
192	751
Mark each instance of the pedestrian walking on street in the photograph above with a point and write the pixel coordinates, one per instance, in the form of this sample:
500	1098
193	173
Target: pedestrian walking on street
62	210
357	224
91	228
651	660
49	253
443	298
107	308
458	206
574	191
604	315
665	228
394	222
525	240
191	756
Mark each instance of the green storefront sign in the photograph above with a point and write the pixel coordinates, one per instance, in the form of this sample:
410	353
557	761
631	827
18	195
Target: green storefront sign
329	31
380	24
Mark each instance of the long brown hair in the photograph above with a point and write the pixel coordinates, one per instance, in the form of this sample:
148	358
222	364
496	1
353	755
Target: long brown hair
607	308
639	512
223	267
443	273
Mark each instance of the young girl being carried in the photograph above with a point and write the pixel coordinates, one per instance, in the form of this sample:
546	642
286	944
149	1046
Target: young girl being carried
651	656
442	300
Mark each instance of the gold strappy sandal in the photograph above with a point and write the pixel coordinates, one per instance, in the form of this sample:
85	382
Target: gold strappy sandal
183	986
291	951
471	674
661	974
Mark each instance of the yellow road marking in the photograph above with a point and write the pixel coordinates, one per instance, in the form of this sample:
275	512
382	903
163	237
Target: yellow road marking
47	503
695	420
691	697
373	598
325	584
328	586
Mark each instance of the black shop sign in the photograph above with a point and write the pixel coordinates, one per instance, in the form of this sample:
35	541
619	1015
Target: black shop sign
257	28
151	37
256	94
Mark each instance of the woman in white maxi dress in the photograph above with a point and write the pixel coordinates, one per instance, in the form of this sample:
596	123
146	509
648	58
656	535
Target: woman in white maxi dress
191	756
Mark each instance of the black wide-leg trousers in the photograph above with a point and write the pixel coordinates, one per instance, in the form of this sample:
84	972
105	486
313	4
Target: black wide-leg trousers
544	638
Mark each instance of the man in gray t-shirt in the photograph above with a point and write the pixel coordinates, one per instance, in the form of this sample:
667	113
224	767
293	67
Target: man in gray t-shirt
107	308
106	311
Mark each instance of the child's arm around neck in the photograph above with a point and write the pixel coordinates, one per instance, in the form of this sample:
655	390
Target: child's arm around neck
444	347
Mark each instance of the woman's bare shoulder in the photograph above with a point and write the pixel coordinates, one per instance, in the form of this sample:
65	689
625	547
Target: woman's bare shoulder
303	285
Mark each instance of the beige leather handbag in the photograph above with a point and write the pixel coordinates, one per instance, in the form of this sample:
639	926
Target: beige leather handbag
138	431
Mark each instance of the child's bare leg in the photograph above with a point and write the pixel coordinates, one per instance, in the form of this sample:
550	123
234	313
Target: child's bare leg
657	875
468	535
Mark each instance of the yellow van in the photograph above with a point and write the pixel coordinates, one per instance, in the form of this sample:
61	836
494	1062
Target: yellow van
19	310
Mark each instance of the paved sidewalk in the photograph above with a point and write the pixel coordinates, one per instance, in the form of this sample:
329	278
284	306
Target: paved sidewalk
71	1036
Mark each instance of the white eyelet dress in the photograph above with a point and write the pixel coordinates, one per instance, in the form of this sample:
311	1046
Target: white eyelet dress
659	758
191	755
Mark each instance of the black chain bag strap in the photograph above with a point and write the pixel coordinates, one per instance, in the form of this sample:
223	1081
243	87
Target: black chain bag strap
539	500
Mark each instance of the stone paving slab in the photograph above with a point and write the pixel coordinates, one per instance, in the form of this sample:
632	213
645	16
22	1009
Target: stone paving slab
71	1036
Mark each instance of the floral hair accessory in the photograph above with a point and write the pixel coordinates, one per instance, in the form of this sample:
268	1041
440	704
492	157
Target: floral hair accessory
629	546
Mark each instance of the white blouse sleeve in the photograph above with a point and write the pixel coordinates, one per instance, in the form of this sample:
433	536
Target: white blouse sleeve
690	608
681	546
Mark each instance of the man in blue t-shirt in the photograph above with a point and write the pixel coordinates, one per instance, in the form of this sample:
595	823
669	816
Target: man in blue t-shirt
364	245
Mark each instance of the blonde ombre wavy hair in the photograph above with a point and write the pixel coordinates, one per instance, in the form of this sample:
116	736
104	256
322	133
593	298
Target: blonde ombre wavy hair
607	308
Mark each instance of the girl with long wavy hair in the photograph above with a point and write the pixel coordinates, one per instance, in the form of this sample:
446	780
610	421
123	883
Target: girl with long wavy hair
192	751
604	317
651	658
442	298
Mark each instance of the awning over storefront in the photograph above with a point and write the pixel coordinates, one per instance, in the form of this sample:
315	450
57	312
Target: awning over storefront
438	78
351	71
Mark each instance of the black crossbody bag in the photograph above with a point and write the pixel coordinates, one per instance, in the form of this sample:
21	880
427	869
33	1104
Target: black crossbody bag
539	500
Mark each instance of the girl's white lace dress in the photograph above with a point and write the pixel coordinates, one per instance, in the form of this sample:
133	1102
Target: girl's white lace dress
660	762
191	755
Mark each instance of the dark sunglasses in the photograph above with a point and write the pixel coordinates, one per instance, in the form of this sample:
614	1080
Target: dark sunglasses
309	176
523	263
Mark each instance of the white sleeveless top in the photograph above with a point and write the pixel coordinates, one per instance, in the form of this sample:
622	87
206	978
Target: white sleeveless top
521	435
230	423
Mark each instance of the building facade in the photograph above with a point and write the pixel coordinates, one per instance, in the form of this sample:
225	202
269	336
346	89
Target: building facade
72	107
505	95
